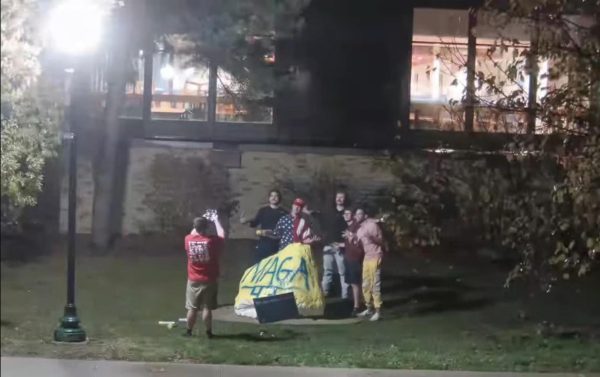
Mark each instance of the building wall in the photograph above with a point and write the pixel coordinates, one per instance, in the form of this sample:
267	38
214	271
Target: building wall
252	171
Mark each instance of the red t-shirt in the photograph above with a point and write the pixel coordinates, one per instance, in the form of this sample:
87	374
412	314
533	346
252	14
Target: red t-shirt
203	257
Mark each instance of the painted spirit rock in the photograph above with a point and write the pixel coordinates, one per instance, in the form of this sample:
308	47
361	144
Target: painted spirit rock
290	270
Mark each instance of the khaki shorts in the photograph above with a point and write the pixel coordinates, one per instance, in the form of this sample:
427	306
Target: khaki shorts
199	295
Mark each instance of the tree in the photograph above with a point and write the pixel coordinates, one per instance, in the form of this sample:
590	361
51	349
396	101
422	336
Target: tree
236	36
538	200
231	34
30	117
105	163
556	228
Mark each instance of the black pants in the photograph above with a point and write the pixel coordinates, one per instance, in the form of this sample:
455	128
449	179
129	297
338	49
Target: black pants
265	248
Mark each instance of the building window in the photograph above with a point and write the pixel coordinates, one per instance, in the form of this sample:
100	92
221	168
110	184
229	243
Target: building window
134	89
132	104
179	82
239	102
438	73
501	73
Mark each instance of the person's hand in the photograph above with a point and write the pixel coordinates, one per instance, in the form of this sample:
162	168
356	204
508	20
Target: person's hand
211	215
243	218
347	234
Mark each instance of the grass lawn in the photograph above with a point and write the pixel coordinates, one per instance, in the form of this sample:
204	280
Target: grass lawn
437	316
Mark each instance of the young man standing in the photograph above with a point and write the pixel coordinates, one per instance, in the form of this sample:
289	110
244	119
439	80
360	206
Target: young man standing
370	237
266	218
353	259
203	253
333	252
293	227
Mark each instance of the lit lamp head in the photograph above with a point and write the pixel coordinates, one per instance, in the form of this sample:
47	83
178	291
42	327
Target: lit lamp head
75	26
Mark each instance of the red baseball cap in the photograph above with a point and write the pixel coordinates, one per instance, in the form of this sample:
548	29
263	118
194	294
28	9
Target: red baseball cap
299	202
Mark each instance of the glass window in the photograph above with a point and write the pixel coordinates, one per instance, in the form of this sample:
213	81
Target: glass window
179	82
133	100
438	73
99	86
501	79
239	102
134	89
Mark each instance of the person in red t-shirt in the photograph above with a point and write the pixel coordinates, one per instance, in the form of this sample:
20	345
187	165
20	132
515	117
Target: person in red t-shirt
203	271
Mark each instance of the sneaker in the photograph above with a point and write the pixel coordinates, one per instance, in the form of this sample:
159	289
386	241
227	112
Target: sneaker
210	335
365	313
355	312
187	333
375	317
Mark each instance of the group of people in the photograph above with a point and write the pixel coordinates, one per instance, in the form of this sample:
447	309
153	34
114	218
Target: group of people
353	245
352	248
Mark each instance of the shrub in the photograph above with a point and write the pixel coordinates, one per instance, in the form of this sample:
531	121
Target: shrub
182	188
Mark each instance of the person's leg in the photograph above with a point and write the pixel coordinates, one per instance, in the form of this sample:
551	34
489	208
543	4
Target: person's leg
259	251
191	302
328	270
209	303
264	249
377	301
353	279
341	268
356	296
207	319
192	314
367	285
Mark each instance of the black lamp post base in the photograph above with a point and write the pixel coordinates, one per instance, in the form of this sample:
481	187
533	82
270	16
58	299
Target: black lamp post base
69	330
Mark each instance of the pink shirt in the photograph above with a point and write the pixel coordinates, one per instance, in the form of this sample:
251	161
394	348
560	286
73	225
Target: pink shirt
369	235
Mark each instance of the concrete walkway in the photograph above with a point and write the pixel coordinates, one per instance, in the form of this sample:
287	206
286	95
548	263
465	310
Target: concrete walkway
36	367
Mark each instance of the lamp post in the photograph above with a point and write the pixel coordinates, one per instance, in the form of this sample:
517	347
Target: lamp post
75	27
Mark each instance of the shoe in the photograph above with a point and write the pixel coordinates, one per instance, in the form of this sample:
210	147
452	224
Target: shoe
187	333
375	317
365	313
210	335
354	312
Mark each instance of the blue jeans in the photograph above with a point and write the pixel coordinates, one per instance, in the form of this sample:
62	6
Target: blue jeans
333	262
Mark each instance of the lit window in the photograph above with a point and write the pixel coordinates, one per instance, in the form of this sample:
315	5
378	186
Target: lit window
241	101
438	74
501	80
179	82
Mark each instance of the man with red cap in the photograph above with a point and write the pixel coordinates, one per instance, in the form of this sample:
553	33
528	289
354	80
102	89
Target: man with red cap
293	228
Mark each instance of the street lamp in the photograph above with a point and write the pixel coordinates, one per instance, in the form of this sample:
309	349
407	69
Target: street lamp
75	28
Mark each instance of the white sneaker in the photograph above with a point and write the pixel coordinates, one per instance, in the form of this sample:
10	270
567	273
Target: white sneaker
375	317
365	313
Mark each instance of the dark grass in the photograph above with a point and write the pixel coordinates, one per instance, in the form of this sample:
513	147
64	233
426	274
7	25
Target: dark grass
438	315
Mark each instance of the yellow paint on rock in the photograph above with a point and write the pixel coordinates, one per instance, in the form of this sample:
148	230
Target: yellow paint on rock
290	270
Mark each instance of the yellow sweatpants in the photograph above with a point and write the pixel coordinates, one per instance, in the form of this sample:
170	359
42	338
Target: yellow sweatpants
371	285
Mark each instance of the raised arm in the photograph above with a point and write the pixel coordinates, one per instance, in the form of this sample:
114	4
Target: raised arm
219	227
